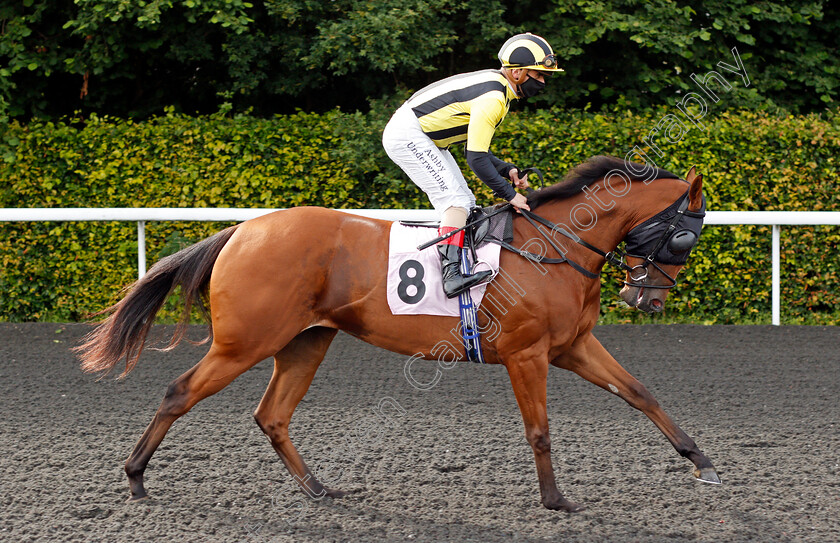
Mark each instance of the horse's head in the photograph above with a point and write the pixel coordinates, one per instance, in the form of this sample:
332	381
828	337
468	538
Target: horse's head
658	248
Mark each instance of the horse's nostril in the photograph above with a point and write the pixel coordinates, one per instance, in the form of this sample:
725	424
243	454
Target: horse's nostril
656	304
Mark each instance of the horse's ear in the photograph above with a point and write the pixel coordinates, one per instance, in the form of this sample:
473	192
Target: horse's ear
692	173
695	192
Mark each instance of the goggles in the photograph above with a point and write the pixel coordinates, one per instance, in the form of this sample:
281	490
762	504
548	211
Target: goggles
549	63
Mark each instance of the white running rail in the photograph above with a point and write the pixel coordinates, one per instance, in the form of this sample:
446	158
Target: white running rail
141	215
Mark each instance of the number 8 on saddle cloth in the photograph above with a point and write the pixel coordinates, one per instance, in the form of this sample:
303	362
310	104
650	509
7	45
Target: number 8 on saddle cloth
414	275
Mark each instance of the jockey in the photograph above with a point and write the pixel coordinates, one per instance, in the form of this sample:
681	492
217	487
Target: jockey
466	108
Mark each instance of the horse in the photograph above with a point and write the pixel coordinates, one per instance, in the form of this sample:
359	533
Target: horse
282	285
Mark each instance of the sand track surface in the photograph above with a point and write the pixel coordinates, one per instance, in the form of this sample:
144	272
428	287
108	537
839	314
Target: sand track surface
450	463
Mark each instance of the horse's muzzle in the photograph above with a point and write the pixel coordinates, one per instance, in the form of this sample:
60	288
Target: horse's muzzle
649	300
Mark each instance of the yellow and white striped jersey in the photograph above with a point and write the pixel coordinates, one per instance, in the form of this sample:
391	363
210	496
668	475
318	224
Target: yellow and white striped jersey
466	107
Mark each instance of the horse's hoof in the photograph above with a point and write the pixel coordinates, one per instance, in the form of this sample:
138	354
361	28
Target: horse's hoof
141	497
136	487
571	507
707	475
335	493
564	505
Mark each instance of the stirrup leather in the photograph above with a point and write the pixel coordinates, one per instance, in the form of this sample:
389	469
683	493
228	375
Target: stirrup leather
454	281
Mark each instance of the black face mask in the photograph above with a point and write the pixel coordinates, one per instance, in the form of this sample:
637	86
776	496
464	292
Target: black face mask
531	87
642	240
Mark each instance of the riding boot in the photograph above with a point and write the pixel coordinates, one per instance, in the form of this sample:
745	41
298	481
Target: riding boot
454	282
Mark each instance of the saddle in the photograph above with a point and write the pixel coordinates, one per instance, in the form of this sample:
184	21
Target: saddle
484	225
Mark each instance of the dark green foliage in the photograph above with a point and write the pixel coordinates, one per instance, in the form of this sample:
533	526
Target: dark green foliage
132	59
96	63
62	271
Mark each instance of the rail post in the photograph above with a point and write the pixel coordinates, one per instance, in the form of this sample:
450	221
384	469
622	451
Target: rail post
141	249
776	284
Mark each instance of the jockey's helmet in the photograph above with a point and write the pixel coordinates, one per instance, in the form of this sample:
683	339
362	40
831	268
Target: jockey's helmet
530	52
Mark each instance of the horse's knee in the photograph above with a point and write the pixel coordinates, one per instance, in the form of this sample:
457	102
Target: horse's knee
276	430
539	441
639	397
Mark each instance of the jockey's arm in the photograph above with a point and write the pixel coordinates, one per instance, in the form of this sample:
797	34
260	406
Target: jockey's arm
486	167
501	166
485	116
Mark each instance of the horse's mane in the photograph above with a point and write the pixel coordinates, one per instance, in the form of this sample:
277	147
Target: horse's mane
586	173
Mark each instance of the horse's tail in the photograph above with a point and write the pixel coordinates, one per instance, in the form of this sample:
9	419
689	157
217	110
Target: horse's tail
123	333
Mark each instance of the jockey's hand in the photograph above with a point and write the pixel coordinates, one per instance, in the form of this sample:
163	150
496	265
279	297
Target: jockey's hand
519	202
519	182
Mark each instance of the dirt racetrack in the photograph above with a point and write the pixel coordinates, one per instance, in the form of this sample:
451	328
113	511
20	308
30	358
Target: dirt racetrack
453	465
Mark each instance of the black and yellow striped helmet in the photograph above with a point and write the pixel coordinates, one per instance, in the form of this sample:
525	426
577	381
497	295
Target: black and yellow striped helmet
529	52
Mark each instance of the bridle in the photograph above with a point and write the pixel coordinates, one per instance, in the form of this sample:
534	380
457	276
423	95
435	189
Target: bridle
674	243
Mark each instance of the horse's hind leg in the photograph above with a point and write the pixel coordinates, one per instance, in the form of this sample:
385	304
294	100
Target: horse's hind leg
589	359
294	369
217	369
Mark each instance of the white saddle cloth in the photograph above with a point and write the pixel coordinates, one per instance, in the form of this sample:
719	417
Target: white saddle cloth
414	277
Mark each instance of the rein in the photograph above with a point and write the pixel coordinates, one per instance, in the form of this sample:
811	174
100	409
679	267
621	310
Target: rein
533	218
614	257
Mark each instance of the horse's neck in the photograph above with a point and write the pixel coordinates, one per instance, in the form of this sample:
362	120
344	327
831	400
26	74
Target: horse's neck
603	218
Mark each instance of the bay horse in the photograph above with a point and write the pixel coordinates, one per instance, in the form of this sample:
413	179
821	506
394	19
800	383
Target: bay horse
283	284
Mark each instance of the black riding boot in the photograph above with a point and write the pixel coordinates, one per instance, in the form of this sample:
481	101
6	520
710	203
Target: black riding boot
454	281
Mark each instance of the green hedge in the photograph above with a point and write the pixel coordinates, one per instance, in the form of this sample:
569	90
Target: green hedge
63	271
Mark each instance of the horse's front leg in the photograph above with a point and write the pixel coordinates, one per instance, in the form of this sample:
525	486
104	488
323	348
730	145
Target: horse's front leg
589	359
528	377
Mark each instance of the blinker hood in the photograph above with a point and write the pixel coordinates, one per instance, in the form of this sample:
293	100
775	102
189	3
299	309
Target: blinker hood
643	240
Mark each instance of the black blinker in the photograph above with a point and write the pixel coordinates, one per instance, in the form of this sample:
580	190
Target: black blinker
683	241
